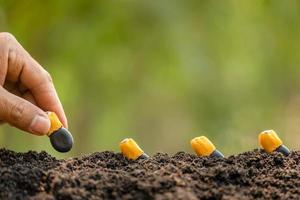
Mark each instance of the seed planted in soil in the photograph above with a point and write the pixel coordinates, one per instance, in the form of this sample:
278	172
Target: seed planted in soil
270	142
204	147
61	139
131	150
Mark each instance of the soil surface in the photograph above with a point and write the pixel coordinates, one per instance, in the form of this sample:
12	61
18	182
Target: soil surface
108	175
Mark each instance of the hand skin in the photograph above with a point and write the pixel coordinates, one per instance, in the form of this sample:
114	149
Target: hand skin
26	89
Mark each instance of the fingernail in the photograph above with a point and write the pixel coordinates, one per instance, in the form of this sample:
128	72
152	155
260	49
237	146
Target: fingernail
40	125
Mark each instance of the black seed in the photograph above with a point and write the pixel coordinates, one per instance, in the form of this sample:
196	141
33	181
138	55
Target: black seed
284	150
217	154
143	156
61	140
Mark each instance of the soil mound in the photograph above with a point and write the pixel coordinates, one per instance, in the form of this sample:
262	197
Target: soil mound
107	175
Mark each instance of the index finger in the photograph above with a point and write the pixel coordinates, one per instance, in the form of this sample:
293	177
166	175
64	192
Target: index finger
40	84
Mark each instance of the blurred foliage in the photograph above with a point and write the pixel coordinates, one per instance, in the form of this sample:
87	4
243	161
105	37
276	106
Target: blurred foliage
164	72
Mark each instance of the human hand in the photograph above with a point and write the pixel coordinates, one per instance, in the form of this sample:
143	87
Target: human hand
26	89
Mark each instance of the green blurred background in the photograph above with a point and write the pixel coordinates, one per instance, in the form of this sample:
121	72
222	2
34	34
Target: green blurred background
164	72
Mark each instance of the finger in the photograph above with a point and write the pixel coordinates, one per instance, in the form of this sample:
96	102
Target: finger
46	97
25	94
4	49
40	84
22	67
22	114
19	92
22	88
28	96
10	86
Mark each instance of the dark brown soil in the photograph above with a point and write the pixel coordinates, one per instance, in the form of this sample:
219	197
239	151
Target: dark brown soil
107	175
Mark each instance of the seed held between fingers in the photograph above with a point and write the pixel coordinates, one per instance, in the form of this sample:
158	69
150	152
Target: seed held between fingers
270	142
61	139
131	150
204	147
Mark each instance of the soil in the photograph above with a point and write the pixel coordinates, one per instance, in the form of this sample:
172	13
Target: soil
107	175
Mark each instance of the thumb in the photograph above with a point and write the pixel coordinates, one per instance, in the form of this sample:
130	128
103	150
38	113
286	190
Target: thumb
22	114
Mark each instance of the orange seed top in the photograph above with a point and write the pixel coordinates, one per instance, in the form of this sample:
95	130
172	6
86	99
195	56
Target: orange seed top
130	149
269	140
202	146
55	122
